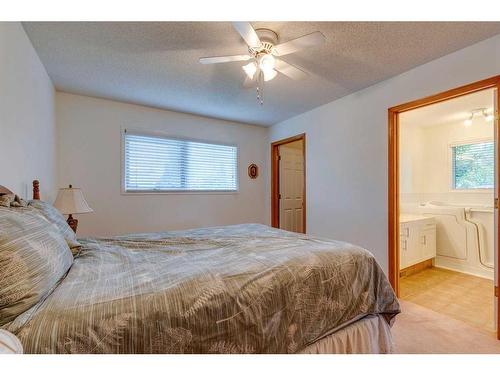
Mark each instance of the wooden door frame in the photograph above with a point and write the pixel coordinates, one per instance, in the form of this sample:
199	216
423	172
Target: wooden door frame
393	187
275	182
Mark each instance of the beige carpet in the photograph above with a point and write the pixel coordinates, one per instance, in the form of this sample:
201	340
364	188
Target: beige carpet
420	330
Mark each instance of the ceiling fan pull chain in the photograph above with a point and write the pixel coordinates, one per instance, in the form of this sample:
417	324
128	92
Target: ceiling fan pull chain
260	88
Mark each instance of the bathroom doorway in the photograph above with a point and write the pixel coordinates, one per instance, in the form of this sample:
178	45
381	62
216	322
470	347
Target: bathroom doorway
443	207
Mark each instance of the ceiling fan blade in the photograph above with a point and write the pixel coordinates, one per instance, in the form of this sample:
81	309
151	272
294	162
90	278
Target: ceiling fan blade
248	33
289	70
294	45
223	59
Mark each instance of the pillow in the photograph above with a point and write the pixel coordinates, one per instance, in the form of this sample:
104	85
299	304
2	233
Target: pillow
18	202
33	258
54	216
7	199
12	200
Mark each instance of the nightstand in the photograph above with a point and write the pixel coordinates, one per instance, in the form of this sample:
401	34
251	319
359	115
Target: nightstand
9	343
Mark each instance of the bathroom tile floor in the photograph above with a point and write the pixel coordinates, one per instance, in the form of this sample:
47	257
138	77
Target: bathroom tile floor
463	297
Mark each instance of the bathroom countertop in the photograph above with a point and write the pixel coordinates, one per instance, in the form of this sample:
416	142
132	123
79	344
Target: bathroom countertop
405	218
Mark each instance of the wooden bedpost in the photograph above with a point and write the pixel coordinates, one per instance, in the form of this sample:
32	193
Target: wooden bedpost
36	190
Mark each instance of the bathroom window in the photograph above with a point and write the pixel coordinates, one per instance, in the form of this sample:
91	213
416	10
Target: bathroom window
473	166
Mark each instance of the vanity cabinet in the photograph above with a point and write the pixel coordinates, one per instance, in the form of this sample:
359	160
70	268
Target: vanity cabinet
417	239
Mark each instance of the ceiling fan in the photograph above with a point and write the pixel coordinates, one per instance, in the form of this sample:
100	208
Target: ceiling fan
263	54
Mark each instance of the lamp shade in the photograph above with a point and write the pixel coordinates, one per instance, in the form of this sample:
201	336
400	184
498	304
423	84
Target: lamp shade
71	201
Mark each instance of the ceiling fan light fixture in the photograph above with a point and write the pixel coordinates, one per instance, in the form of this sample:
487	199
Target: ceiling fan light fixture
267	63
269	74
250	69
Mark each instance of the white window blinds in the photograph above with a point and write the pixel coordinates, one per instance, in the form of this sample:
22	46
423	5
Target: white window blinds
158	164
473	166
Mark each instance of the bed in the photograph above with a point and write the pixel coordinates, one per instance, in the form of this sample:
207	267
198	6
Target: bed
245	288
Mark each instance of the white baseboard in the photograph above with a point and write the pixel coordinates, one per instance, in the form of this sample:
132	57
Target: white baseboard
460	266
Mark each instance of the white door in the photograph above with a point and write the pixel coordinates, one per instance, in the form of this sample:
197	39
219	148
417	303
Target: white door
291	184
404	237
414	252
428	242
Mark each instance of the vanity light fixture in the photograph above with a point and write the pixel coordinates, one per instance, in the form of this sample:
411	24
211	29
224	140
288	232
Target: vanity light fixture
479	112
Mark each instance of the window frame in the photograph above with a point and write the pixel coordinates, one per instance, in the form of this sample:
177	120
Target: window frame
451	171
153	133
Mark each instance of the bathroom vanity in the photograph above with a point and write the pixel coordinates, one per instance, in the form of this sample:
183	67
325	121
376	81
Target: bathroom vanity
417	239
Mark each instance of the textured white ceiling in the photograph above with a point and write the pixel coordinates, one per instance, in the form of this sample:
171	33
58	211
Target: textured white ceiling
450	111
156	64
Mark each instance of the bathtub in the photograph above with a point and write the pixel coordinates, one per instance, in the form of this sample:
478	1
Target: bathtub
464	236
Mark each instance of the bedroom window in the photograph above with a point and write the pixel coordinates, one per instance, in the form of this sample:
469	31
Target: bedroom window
473	166
161	164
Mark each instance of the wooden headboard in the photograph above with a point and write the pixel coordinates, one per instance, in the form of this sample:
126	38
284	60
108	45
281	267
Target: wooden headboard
36	190
4	190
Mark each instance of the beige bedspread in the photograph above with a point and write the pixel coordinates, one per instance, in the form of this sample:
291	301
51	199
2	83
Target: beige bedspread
237	289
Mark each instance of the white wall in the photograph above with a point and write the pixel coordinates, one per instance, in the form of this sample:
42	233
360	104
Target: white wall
412	156
347	145
425	162
89	132
27	124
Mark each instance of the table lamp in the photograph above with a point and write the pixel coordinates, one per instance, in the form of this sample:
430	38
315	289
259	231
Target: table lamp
71	201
